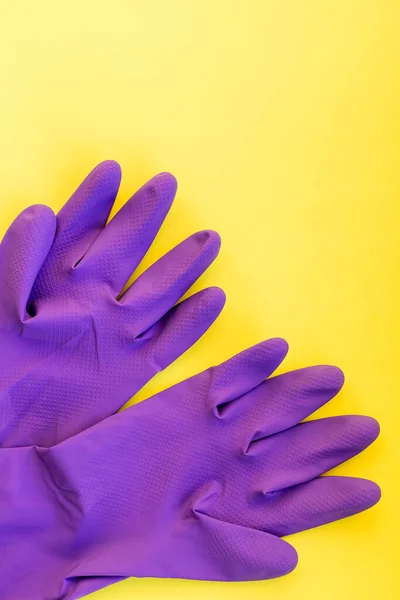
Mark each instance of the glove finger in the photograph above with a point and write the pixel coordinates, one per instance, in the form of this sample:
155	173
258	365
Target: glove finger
203	549
180	328
120	247
85	214
312	448
231	552
315	503
166	281
243	372
283	401
22	253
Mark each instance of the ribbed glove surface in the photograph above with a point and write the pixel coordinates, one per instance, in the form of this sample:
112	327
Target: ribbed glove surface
199	482
72	350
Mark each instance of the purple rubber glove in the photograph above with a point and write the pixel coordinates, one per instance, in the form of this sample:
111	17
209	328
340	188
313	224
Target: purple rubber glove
72	351
198	482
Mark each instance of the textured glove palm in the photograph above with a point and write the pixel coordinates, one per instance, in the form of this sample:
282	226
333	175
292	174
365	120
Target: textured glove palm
200	482
72	349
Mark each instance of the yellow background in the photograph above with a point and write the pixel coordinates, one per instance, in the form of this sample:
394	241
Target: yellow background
280	120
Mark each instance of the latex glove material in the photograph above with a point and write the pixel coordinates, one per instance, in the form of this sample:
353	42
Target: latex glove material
72	350
198	482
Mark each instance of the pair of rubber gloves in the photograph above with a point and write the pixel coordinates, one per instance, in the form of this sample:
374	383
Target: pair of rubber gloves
200	481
